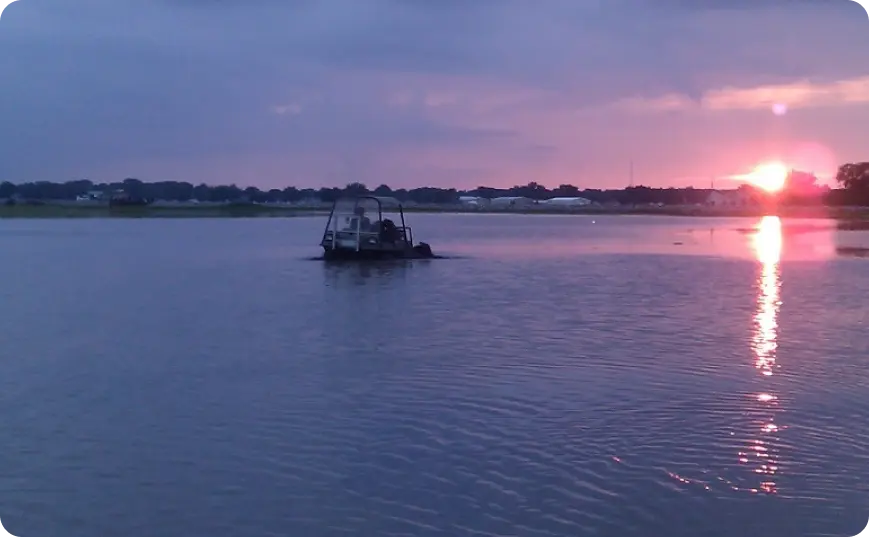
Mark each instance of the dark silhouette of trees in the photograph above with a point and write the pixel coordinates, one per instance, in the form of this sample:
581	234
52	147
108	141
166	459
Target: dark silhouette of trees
484	192
853	175
356	189
566	191
7	190
853	178
802	188
383	190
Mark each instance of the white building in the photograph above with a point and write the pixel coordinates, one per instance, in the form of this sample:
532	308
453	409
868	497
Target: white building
93	195
567	202
473	201
731	198
512	201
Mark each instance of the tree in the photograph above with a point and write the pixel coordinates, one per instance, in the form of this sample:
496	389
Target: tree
566	191
202	192
329	194
251	194
801	182
532	190
356	189
226	193
802	188
854	179
7	190
134	188
485	192
291	193
383	190
853	176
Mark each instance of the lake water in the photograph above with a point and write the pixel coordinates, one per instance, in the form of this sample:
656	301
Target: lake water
560	376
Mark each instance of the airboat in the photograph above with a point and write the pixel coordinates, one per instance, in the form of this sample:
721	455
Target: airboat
359	227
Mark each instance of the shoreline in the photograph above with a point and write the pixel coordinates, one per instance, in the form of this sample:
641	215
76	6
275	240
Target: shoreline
63	211
68	211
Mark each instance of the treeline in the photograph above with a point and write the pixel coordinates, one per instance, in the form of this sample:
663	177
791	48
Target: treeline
853	180
182	191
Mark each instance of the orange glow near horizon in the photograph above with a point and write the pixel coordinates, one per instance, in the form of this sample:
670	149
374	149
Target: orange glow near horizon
770	176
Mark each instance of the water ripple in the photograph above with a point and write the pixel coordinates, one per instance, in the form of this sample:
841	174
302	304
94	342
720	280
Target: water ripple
615	386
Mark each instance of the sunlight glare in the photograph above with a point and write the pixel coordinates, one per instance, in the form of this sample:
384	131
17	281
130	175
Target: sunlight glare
768	243
770	176
768	249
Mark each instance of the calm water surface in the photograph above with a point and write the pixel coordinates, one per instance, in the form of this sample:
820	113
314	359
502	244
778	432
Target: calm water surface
561	376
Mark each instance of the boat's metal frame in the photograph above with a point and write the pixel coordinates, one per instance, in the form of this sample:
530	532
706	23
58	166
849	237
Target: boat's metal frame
353	241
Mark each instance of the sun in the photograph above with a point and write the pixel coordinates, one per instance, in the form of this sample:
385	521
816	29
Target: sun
770	176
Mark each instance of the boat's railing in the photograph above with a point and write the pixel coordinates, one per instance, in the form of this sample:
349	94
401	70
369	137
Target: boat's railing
407	233
348	233
330	236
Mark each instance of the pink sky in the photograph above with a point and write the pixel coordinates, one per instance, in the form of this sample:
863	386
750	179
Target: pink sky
448	94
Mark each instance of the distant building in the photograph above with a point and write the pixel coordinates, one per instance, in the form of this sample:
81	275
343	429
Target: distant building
473	201
738	198
512	202
92	195
121	197
567	202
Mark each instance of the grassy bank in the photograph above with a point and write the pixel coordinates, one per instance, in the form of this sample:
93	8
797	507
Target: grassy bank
269	211
152	211
839	213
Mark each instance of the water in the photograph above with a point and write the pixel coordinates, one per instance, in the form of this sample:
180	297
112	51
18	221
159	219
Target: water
562	376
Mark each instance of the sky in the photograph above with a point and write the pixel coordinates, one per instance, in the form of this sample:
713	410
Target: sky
449	93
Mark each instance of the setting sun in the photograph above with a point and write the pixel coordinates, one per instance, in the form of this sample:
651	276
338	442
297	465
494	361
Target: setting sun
770	176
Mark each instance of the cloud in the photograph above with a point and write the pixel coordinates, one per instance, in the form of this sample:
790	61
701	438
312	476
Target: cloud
666	103
801	94
489	90
292	109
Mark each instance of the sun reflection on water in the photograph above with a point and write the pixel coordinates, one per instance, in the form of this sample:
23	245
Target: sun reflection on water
761	453
768	247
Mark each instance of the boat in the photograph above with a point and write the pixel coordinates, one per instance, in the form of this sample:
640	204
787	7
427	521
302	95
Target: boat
358	229
121	198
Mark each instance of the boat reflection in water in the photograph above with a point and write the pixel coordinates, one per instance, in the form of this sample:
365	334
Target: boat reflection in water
762	452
